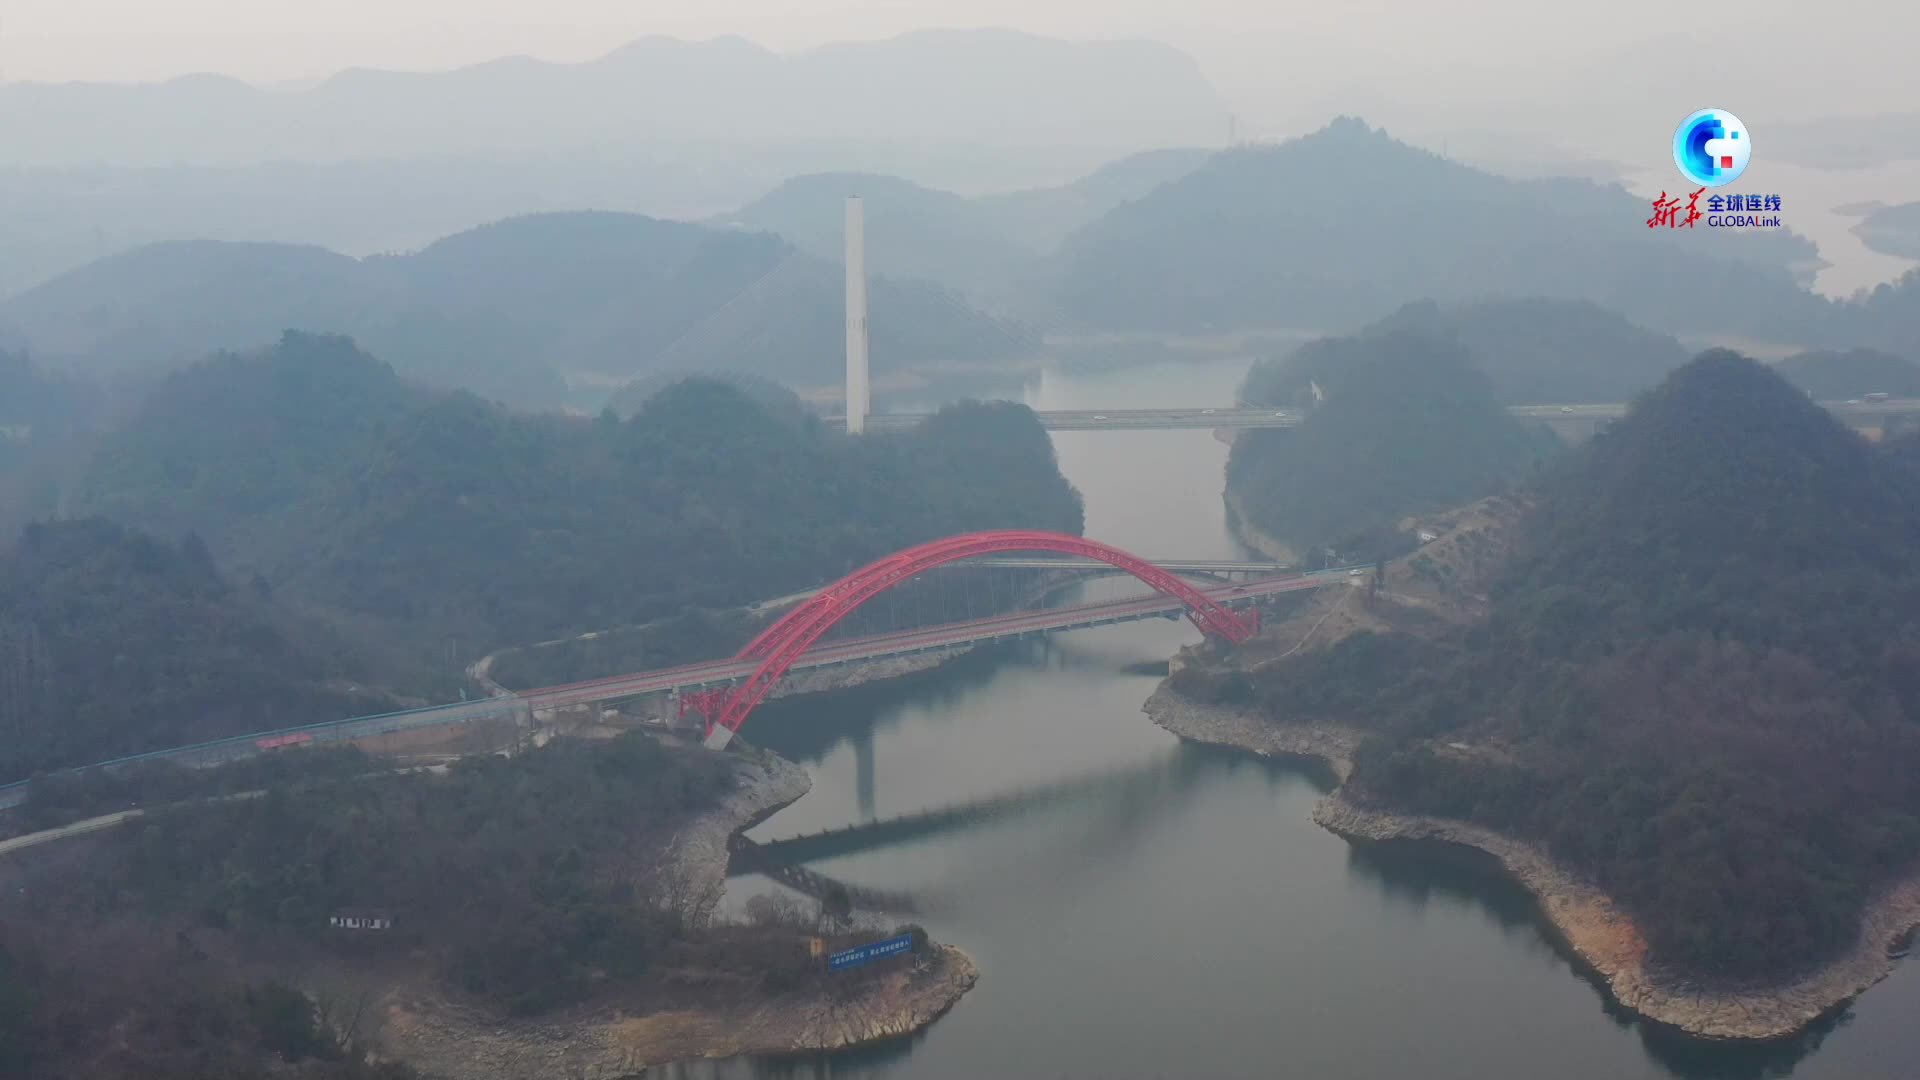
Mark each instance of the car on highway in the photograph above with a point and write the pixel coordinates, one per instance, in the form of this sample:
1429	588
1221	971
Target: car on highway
1208	412
1566	408
1853	401
1356	573
1098	417
1279	414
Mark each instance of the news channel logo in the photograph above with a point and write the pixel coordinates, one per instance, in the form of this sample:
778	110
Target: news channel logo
1712	147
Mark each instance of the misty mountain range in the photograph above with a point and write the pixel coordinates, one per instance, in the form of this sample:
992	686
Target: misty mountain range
984	246
538	311
986	88
1324	233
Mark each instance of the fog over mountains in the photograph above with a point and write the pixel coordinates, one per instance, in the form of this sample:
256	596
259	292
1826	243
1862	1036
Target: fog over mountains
377	161
539	310
989	88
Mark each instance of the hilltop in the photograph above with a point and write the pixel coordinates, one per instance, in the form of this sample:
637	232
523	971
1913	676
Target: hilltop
1397	423
1832	375
536	311
1693	687
99	625
424	515
1344	225
912	231
955	88
1042	217
1536	350
1888	318
985	246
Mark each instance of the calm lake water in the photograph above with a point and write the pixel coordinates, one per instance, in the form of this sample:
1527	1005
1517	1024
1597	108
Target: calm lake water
1178	915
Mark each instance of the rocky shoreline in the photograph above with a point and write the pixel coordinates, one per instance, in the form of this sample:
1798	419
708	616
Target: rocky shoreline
447	1041
1588	922
451	1041
1241	729
865	672
1251	535
697	857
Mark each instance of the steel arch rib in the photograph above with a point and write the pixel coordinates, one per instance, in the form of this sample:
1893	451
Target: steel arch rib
778	646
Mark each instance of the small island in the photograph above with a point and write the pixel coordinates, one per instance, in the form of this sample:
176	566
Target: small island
1667	680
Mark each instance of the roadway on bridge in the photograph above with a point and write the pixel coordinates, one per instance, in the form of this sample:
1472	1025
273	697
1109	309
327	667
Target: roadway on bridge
1177	566
1121	419
721	672
1231	417
724	671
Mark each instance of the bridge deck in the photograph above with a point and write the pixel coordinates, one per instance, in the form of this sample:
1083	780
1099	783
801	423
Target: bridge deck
1178	566
995	628
709	674
1245	417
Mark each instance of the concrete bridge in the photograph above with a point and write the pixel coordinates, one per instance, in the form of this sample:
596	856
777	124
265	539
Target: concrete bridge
1222	601
1897	413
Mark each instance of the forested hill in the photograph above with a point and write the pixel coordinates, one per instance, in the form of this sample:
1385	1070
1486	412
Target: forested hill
1344	225
1398	423
984	247
912	231
43	416
1539	350
224	448
1837	376
113	642
1700	682
536	311
444	516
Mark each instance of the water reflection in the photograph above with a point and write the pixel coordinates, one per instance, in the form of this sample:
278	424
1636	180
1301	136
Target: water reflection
1140	907
1419	873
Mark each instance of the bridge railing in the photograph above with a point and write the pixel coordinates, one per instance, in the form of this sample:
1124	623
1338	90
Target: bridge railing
325	732
232	748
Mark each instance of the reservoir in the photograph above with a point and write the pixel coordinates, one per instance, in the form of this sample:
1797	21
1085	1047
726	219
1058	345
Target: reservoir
1162	910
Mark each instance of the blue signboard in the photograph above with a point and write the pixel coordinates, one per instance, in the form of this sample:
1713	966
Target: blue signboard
854	957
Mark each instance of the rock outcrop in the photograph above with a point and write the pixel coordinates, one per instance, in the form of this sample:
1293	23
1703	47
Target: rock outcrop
1587	921
451	1042
1594	928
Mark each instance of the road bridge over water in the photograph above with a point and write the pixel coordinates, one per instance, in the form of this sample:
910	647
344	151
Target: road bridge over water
696	677
792	643
1178	566
1860	413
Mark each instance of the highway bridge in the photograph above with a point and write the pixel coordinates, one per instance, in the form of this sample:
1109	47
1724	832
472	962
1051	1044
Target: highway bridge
1858	413
732	686
1204	419
1178	566
718	673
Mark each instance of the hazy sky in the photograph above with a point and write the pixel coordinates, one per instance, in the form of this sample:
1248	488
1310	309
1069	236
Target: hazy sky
1271	57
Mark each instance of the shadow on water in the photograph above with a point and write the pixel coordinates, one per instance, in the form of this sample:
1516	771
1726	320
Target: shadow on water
1419	872
1147	785
806	727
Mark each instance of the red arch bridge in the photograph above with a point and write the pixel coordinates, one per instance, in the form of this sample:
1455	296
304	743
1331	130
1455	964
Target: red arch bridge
725	692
